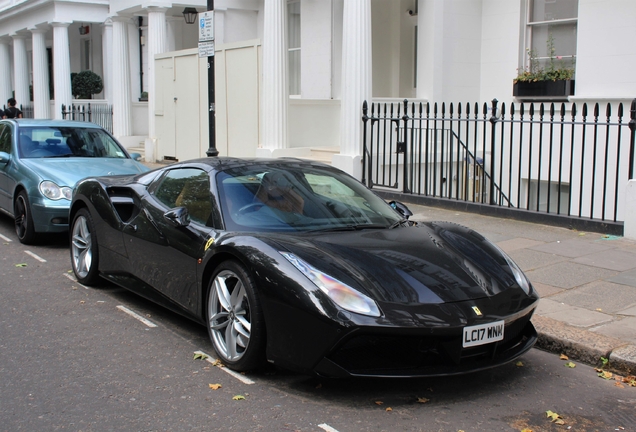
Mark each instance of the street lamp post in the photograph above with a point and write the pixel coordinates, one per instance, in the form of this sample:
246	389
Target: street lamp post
212	151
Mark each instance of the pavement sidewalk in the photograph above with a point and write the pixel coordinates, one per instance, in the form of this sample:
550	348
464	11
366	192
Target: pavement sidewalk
587	284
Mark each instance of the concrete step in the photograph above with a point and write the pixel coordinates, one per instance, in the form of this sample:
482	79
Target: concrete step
323	154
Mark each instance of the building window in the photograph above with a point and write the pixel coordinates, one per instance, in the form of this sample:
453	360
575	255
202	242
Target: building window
551	33
293	46
85	54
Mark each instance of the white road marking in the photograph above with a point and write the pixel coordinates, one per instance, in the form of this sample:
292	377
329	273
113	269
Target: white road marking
326	427
74	280
136	316
236	375
7	239
34	256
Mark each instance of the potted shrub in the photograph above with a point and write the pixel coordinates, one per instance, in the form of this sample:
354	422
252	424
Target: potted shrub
557	80
85	84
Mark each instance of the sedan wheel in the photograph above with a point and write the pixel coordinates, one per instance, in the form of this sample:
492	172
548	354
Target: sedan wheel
23	220
84	253
235	321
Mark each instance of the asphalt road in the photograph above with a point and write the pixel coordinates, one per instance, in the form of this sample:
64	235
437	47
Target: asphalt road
71	358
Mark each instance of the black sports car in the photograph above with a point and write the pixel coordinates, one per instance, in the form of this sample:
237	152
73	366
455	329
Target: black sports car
299	264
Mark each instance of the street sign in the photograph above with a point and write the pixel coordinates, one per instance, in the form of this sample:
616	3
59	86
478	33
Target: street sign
206	49
206	26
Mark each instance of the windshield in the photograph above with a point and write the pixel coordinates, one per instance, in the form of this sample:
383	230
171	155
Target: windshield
59	141
299	198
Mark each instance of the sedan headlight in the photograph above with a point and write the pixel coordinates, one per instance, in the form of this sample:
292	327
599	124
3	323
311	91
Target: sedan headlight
55	192
343	295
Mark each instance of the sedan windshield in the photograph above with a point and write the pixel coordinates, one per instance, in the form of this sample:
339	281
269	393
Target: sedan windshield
59	141
299	197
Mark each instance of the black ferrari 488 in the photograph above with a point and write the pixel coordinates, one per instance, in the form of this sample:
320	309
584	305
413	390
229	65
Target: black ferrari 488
299	264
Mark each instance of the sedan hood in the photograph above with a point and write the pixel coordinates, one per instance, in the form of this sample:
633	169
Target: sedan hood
67	171
428	263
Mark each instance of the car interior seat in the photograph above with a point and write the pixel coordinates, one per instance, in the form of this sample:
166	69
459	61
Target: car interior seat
195	196
278	192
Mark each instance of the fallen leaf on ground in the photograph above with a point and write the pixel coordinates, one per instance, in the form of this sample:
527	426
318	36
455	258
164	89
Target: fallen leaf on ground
238	397
389	409
527	430
519	364
554	417
199	356
215	386
570	365
630	381
21	265
379	402
422	400
217	363
606	375
619	385
82	302
563	357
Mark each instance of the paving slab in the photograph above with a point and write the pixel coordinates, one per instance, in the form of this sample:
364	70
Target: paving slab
629	311
518	243
568	274
624	278
624	329
601	296
573	248
615	259
528	259
546	290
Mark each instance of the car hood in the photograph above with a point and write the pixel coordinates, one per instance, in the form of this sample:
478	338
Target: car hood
67	171
428	263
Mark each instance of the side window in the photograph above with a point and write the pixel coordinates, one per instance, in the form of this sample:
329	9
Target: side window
189	188
5	139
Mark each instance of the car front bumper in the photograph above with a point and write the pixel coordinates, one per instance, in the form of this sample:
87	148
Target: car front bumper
51	216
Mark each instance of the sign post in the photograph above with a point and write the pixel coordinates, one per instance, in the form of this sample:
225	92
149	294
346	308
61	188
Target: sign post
206	49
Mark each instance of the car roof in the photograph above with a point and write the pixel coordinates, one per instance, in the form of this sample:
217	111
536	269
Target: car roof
225	162
54	123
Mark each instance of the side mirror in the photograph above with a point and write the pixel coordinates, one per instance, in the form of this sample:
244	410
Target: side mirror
4	158
136	156
178	217
401	209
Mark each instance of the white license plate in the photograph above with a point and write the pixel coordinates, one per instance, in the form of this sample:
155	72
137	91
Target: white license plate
483	334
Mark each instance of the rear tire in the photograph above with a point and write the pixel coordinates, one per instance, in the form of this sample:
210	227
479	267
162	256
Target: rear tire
24	227
84	250
235	318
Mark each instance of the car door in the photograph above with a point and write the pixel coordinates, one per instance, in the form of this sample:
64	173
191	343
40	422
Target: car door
162	254
7	183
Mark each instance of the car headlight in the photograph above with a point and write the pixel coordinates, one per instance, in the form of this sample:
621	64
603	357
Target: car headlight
55	192
519	276
343	295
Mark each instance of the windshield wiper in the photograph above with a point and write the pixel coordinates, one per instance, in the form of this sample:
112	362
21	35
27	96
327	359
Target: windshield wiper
357	227
398	223
60	155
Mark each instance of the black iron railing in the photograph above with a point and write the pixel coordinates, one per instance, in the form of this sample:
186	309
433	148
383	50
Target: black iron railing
546	158
97	113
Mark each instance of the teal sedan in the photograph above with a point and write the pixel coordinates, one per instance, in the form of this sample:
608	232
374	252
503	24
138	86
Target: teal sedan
40	162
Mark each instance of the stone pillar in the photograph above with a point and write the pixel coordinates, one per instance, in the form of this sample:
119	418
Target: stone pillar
156	43
122	103
275	87
107	59
430	49
41	93
20	71
5	72
61	68
356	83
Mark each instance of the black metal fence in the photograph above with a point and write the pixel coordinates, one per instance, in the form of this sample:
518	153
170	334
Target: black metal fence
541	158
97	113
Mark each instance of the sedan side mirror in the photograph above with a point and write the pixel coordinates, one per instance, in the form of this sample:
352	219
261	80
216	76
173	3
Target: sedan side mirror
178	217
4	158
401	209
136	156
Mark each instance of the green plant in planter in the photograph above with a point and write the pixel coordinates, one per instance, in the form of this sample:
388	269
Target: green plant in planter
553	72
85	84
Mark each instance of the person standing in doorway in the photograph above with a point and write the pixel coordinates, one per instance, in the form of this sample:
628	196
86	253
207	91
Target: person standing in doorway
12	111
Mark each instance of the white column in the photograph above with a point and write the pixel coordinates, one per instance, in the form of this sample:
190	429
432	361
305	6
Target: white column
156	42
122	104
430	50
107	59
275	91
356	82
61	68
5	72
41	94
20	70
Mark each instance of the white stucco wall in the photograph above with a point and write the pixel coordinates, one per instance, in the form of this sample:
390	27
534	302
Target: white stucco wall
630	210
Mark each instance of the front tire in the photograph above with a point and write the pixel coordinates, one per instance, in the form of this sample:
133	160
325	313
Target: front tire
84	251
24	227
235	319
